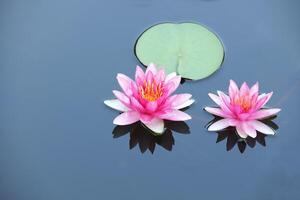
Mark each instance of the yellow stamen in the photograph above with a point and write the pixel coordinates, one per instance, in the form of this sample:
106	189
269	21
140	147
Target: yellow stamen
151	91
244	102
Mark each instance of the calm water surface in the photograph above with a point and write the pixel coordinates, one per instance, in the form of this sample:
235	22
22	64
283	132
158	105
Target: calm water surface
58	62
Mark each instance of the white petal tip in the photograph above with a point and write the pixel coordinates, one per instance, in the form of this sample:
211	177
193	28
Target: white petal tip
107	103
116	104
211	129
269	131
276	111
188	117
156	125
185	104
207	109
119	76
116	123
243	136
159	132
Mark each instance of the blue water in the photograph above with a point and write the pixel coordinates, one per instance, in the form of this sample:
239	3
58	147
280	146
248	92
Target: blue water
58	62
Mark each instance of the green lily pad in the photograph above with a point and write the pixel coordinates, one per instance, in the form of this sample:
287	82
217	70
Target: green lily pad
189	49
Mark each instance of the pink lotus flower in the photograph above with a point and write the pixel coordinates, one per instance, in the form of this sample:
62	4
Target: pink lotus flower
242	109
149	99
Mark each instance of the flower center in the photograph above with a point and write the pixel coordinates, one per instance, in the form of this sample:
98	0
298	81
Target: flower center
151	91
244	102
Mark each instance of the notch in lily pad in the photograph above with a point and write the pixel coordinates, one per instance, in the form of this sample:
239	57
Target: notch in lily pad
189	49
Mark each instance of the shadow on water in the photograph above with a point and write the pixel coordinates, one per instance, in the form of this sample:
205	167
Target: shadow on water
141	136
233	138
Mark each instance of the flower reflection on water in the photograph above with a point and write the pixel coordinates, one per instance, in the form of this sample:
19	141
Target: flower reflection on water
233	137
141	136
